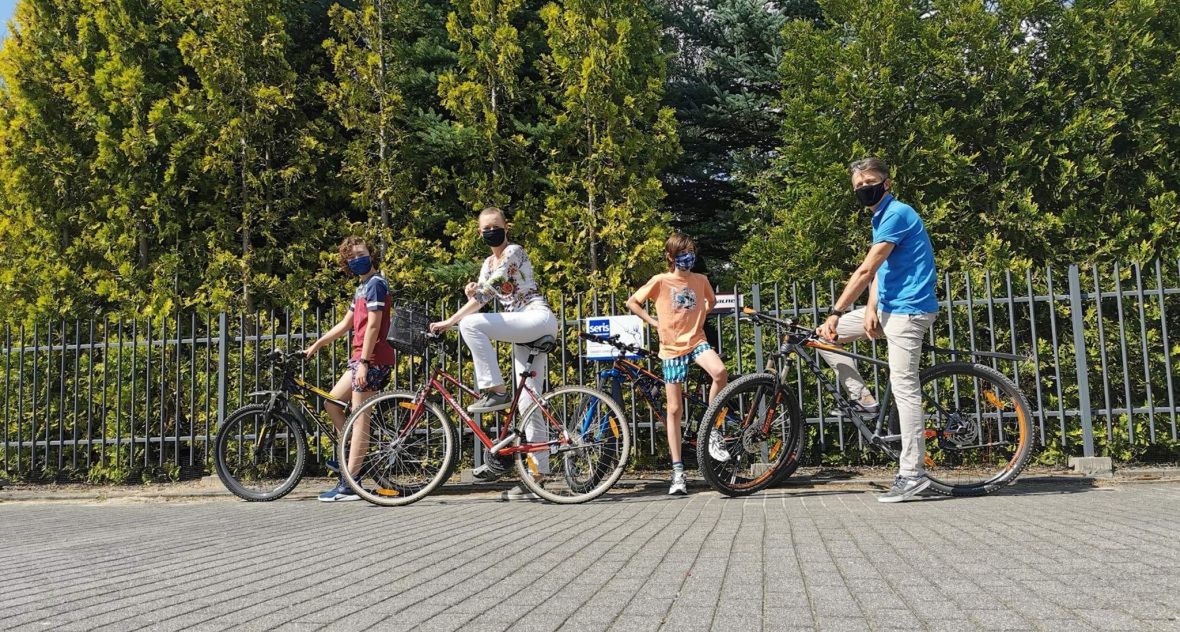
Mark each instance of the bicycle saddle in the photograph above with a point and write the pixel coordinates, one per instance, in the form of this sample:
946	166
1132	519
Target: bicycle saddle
544	344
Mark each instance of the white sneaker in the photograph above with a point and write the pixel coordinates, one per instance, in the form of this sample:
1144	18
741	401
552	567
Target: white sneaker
679	486
716	448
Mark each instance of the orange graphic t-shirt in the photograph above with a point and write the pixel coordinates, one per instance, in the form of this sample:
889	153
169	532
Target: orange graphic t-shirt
682	303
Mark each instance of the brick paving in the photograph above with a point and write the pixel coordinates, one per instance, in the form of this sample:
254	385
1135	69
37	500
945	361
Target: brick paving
1052	557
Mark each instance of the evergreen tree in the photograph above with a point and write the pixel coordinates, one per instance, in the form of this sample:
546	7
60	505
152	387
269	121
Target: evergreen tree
1033	133
261	148
386	56
723	83
495	101
602	226
86	142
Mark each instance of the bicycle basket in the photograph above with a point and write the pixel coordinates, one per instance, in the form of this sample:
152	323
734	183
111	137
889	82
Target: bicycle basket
407	328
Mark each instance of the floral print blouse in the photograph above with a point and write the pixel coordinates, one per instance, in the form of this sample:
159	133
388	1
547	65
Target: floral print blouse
510	280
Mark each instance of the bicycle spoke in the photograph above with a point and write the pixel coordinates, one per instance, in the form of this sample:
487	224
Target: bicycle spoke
976	429
580	456
406	450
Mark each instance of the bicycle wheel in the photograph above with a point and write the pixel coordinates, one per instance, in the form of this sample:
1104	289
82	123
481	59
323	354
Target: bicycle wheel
760	428
259	456
978	429
589	442
409	450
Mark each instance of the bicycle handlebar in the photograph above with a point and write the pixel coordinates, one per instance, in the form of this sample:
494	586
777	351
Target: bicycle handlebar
614	342
810	334
789	323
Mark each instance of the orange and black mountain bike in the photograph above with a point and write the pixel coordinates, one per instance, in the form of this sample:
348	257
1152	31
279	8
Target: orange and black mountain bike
978	427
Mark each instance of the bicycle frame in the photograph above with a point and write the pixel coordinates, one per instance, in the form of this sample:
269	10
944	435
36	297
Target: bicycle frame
298	390
646	382
438	382
876	436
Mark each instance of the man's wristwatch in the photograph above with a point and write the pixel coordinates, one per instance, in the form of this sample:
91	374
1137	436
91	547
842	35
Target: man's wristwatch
837	312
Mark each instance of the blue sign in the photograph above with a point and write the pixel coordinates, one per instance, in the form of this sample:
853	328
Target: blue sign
628	328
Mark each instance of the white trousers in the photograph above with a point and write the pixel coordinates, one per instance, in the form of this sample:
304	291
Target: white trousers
904	334
480	330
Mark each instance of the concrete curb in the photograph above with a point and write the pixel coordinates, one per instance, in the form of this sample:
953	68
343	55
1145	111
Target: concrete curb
210	487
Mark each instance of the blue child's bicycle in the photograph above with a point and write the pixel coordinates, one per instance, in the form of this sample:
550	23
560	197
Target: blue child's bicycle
646	386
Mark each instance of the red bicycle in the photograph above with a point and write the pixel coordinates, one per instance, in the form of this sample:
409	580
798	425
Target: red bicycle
580	443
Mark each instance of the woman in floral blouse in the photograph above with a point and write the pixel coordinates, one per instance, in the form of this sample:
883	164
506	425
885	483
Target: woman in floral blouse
506	276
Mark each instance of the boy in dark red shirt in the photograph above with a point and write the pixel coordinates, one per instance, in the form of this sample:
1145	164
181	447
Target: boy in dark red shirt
372	358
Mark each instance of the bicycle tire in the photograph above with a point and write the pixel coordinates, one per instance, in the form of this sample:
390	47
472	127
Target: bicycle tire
223	443
619	444
729	477
392	450
1020	414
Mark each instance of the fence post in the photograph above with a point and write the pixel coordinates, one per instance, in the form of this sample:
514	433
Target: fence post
756	296
1077	313
222	365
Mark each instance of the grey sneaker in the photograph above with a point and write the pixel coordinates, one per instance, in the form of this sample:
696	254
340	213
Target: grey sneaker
491	402
679	485
485	473
716	449
863	410
904	488
518	492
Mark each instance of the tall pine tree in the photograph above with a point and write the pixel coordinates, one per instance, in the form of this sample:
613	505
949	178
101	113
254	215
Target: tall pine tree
723	83
262	147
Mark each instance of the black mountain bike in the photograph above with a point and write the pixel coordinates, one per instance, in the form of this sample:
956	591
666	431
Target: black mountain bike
977	422
261	449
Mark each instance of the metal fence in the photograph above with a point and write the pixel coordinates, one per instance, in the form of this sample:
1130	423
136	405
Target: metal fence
149	393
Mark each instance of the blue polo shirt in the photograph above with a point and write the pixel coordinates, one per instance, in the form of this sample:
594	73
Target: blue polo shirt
905	282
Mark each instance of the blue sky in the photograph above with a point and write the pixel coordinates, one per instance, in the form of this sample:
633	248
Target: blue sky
6	7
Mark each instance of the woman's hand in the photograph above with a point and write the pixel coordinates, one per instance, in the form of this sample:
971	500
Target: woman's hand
310	351
441	326
470	290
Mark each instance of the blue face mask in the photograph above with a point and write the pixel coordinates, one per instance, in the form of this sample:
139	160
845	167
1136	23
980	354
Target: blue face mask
361	265
685	260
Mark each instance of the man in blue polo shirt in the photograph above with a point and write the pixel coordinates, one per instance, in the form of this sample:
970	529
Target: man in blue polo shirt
899	273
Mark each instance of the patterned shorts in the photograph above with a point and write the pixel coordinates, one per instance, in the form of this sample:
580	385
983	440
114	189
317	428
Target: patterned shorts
375	380
676	369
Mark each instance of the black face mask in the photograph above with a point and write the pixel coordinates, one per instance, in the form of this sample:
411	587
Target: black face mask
870	194
493	236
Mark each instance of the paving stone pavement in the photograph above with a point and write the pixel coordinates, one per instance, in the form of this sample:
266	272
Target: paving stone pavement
1052	557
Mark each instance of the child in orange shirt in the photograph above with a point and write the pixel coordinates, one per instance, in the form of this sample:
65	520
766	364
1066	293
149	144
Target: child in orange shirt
683	299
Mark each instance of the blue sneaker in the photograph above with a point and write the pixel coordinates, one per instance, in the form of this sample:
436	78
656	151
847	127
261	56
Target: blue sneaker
338	493
332	465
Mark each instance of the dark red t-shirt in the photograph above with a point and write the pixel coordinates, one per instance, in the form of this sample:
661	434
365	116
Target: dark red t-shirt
371	298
